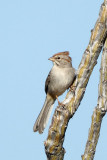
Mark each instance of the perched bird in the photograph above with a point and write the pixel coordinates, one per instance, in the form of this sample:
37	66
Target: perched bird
59	79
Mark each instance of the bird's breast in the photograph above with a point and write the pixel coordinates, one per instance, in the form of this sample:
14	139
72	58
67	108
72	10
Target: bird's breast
60	80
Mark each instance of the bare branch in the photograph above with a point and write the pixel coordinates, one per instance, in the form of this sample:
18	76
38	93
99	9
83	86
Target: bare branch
54	143
99	111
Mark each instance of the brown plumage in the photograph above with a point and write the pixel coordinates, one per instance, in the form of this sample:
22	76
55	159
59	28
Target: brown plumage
59	79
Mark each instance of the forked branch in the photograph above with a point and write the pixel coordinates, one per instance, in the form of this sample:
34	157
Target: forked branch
54	143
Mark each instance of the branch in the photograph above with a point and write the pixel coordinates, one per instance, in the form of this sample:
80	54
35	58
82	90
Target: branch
54	143
99	111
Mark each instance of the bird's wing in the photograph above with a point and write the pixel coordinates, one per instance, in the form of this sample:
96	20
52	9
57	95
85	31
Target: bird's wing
47	82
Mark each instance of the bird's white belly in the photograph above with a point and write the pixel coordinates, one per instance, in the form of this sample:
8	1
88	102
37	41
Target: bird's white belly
61	80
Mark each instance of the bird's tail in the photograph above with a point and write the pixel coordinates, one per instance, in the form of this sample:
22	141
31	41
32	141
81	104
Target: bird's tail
44	115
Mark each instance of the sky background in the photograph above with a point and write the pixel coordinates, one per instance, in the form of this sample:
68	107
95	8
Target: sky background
31	31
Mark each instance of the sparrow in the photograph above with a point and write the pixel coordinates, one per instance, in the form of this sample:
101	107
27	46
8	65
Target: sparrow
59	79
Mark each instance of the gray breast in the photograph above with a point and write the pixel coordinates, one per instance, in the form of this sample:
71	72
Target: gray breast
60	80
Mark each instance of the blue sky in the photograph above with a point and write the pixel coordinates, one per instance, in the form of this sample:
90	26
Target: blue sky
31	31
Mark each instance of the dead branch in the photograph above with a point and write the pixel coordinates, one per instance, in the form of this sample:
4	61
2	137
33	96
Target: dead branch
99	111
54	143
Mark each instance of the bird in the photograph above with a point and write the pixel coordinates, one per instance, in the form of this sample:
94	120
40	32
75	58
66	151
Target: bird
59	79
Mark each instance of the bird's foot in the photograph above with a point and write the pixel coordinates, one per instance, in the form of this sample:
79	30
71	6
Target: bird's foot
72	88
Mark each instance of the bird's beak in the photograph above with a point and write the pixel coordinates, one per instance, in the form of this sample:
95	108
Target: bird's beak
51	59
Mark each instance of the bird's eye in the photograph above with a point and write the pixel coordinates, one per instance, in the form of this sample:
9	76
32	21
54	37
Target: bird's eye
58	57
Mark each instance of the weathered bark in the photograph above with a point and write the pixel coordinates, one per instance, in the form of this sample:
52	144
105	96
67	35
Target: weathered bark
99	111
54	143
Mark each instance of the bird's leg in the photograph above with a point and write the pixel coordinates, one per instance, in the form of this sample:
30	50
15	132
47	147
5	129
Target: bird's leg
58	100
